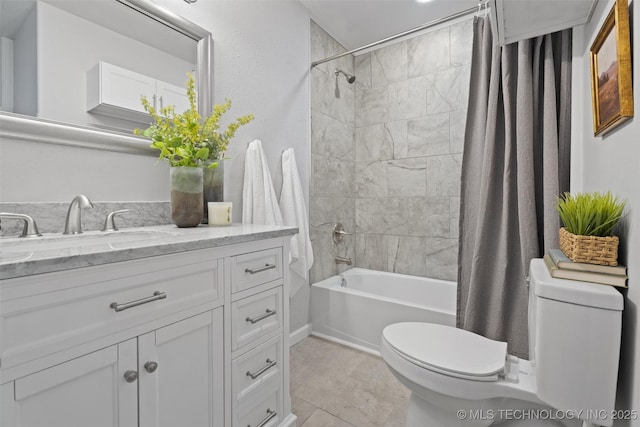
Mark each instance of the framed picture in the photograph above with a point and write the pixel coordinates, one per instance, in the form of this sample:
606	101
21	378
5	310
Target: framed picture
611	87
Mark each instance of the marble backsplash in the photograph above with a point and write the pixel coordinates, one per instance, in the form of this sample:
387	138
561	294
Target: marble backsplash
50	216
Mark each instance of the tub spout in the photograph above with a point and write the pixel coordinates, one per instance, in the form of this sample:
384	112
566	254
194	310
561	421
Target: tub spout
342	260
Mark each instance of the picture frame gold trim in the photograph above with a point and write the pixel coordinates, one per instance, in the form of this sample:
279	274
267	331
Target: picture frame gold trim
616	24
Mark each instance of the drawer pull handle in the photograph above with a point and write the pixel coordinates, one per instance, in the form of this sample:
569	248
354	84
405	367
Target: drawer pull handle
259	269
270	415
261	317
156	296
270	364
130	376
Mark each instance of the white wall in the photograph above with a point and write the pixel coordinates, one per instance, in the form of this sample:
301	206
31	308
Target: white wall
40	172
611	163
261	62
24	66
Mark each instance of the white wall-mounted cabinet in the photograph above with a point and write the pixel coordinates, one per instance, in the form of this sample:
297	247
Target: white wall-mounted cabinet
115	91
168	94
518	20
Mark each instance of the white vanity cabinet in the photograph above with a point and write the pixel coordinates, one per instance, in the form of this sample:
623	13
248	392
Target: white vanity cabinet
114	344
142	378
158	341
259	339
115	91
180	375
85	391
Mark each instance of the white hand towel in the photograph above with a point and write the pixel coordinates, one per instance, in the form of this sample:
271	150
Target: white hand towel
294	214
259	202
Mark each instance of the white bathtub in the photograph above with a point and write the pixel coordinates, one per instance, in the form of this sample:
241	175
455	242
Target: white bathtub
356	314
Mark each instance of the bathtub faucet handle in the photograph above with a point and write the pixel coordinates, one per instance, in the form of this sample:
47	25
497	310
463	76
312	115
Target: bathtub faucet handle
339	233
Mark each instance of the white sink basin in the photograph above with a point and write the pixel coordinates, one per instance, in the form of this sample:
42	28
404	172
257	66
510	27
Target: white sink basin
19	249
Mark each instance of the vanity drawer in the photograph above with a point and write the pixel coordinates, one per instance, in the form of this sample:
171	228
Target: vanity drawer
256	369
255	317
262	410
256	268
61	310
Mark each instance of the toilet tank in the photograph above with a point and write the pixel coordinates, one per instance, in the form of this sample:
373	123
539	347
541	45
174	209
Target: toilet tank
576	343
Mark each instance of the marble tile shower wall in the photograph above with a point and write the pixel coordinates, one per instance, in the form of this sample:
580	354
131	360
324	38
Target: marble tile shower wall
410	111
332	182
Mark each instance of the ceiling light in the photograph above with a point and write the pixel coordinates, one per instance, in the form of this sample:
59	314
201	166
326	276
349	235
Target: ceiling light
423	1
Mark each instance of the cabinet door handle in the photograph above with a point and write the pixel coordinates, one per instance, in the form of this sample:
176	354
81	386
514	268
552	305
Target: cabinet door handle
259	269
151	367
130	376
270	415
270	364
157	295
261	317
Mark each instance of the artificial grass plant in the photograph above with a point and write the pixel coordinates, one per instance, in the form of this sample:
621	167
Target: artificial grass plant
590	214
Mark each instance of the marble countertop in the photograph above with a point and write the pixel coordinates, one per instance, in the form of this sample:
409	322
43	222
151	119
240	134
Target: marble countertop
56	252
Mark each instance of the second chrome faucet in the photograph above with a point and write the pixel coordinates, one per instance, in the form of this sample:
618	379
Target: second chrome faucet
73	223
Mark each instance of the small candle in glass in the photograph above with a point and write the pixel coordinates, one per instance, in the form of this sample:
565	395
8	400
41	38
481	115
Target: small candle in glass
219	213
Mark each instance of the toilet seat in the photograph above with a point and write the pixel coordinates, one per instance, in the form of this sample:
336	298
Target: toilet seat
416	374
457	353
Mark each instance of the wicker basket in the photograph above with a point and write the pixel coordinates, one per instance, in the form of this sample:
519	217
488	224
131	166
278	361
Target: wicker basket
589	249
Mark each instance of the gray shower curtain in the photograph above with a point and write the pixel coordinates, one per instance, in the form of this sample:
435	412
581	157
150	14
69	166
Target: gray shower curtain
515	164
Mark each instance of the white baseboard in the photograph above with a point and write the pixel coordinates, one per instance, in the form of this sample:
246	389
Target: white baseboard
345	343
299	334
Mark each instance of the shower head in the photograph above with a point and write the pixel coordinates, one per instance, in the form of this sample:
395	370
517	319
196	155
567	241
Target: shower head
349	77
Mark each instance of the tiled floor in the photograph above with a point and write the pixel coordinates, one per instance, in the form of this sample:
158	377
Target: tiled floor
334	385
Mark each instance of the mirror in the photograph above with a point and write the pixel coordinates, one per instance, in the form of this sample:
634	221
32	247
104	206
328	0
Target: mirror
47	82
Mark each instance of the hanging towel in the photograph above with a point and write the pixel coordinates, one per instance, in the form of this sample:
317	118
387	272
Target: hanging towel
294	214
259	202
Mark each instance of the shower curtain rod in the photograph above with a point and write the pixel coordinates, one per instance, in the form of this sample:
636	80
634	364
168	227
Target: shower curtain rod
397	36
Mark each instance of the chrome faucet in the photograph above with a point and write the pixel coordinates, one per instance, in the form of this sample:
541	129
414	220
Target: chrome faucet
30	227
342	260
73	224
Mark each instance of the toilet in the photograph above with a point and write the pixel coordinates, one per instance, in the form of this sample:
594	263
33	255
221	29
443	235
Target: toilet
458	378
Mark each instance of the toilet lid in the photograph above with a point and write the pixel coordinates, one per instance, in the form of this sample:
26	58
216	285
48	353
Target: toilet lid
448	350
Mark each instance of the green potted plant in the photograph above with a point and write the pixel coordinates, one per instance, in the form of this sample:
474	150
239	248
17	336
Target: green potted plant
189	143
589	220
